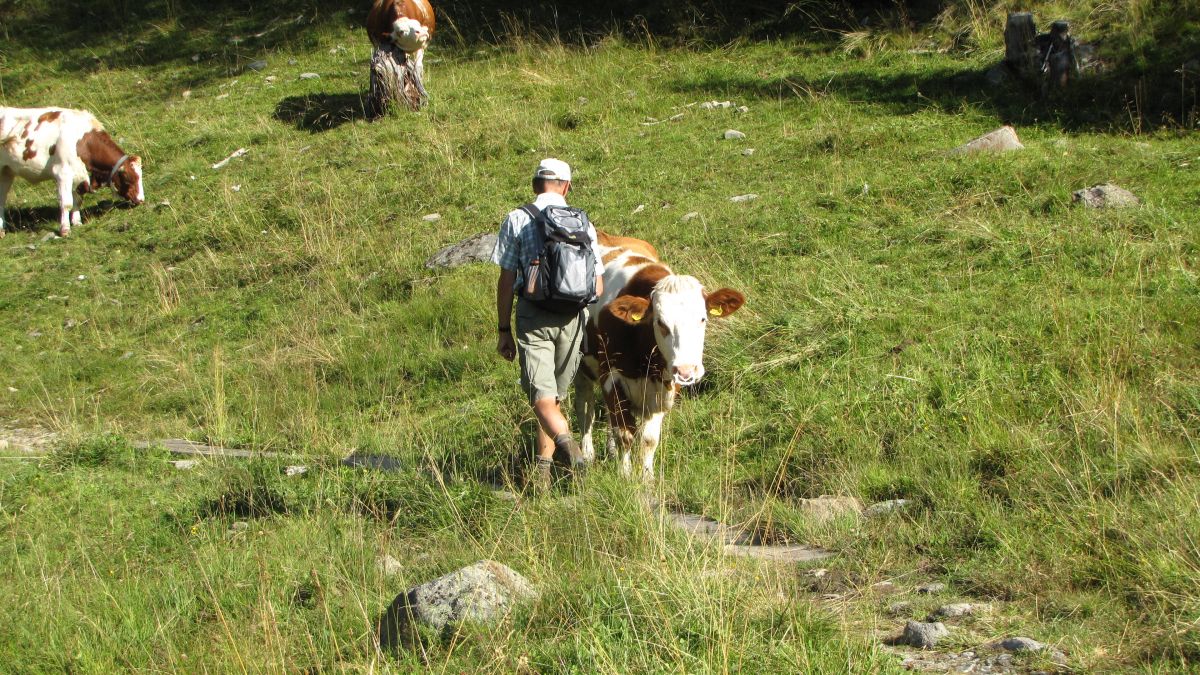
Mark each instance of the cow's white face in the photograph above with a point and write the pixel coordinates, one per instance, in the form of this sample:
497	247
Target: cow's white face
678	312
409	35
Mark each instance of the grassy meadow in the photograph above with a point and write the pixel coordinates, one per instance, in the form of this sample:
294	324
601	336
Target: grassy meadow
946	329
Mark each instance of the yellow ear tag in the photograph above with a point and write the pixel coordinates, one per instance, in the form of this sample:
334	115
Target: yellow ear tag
636	317
716	311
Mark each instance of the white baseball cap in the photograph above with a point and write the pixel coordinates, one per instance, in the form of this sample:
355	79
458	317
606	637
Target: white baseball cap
553	169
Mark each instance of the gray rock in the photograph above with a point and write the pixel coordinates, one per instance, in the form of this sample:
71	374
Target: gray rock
826	508
482	592
691	214
1105	196
747	152
431	217
738	199
257	65
1000	140
883	508
734	135
952	611
295	470
185	464
921	635
931	588
472	249
389	566
713	105
309	76
743	109
899	608
1020	644
884	588
780	553
239	526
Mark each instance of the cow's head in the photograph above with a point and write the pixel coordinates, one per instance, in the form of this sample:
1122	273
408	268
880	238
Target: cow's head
127	181
409	35
678	312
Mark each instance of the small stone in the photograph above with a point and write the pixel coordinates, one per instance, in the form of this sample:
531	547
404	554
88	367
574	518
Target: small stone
126	356
236	188
270	79
257	65
899	608
743	198
825	508
295	470
31	247
221	96
185	464
885	507
582	100
292	62
713	105
195	58
884	588
1000	140
931	588
921	635
743	109
1020	644
431	217
81	277
639	209
238	526
818	572
690	215
165	203
35	334
953	611
747	152
309	76
1105	196
48	236
734	135
389	566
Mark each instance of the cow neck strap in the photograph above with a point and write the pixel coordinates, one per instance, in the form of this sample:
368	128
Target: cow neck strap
115	168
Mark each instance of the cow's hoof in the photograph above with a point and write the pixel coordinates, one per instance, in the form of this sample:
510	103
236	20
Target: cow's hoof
64	232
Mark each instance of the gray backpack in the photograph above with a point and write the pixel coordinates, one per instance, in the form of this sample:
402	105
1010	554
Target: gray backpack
562	278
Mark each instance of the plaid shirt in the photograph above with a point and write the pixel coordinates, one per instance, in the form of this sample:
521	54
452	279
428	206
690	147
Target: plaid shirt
517	244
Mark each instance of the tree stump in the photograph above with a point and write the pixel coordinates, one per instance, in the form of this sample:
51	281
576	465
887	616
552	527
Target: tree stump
394	80
1020	51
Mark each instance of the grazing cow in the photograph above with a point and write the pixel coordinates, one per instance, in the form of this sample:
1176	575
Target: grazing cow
69	146
408	24
645	342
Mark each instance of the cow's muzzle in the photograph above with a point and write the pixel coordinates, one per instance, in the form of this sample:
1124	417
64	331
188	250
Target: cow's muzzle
687	375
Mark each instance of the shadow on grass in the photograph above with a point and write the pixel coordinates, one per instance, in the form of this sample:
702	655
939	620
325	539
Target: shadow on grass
1095	102
32	218
321	112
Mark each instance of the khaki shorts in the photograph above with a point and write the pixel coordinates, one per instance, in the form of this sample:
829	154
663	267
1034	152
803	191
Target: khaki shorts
549	346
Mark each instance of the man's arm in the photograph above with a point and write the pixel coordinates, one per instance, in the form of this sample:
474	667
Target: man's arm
505	344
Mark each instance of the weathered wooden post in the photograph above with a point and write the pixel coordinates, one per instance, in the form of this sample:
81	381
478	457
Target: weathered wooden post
400	30
1020	52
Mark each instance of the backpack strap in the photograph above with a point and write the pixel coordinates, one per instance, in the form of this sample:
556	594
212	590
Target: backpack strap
532	210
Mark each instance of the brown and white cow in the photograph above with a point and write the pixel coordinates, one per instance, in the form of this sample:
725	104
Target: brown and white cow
69	146
645	342
408	24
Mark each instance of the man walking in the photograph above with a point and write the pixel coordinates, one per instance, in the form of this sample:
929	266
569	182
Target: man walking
548	340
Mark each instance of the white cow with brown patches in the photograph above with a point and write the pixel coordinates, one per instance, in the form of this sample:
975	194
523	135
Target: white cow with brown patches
645	342
69	146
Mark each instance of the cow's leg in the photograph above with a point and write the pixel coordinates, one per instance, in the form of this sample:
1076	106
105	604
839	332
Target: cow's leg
620	423
6	181
66	202
585	412
651	432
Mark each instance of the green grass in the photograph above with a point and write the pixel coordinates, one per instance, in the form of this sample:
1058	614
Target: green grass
949	330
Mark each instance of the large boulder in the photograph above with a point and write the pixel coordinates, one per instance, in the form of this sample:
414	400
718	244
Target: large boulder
482	592
472	249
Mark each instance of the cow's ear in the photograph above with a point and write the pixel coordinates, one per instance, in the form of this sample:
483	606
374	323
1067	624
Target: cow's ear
629	308
723	302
